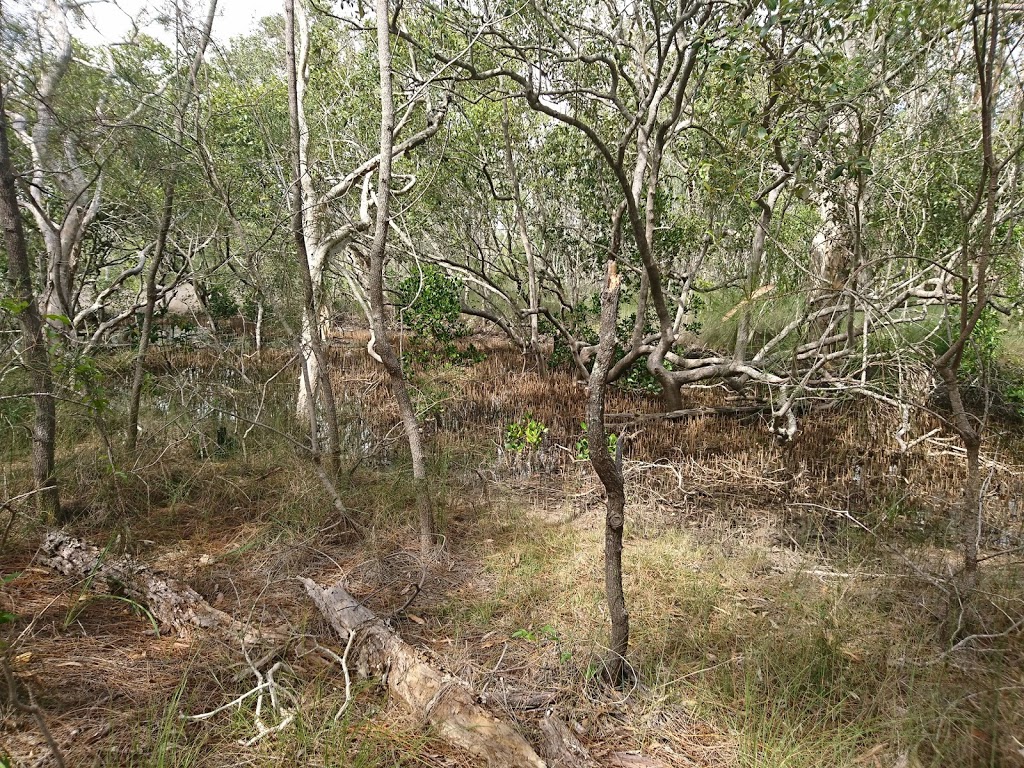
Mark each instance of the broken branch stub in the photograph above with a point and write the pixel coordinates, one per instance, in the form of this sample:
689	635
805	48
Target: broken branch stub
445	702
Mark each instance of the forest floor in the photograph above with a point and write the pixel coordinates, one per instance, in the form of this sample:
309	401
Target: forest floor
789	604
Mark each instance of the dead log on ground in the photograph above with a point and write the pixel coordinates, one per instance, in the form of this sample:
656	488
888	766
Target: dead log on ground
172	603
561	747
445	702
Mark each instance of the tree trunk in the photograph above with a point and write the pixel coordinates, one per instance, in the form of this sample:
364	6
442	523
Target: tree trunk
973	273
139	374
609	470
316	374
34	352
172	603
524	236
971	508
166	215
754	264
380	343
442	701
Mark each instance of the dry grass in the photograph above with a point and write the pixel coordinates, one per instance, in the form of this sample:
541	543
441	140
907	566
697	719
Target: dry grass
768	630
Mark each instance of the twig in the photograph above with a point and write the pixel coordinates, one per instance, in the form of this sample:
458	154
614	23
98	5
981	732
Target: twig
232	703
342	661
348	677
417	588
31	708
986	636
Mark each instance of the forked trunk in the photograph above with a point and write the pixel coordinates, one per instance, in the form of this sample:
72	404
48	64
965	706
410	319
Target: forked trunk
316	381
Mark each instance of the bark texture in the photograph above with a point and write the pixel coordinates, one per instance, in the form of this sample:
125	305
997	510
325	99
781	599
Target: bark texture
34	352
173	604
561	748
609	470
442	701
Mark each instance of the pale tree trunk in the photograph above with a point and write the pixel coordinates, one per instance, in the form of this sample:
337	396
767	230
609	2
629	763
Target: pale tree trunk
34	352
445	703
754	267
166	216
315	377
524	236
609	470
259	328
65	199
381	344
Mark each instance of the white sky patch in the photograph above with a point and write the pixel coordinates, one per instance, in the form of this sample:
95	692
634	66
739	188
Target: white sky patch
109	22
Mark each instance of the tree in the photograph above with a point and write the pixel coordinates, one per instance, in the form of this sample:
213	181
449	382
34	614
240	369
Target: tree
175	146
23	304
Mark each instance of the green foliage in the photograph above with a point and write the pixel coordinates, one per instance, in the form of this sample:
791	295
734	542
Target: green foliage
583	444
430	306
524	435
85	376
546	632
220	303
580	321
983	344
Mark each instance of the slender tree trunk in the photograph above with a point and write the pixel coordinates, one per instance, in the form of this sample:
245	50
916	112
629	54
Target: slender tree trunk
139	373
970	509
381	344
757	248
974	274
524	236
34	352
166	216
316	376
609	470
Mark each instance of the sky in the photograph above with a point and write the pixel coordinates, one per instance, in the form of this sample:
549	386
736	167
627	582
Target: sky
109	22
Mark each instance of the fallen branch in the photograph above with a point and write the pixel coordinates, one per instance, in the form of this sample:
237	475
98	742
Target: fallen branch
561	747
445	702
633	419
172	603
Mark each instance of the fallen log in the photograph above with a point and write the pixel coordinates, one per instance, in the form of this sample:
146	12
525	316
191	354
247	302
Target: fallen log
561	747
439	699
173	604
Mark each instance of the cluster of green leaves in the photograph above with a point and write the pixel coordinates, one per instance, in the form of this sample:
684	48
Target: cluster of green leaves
220	303
429	304
583	444
525	435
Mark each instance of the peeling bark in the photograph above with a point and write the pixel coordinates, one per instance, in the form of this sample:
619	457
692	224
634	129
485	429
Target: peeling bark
439	699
